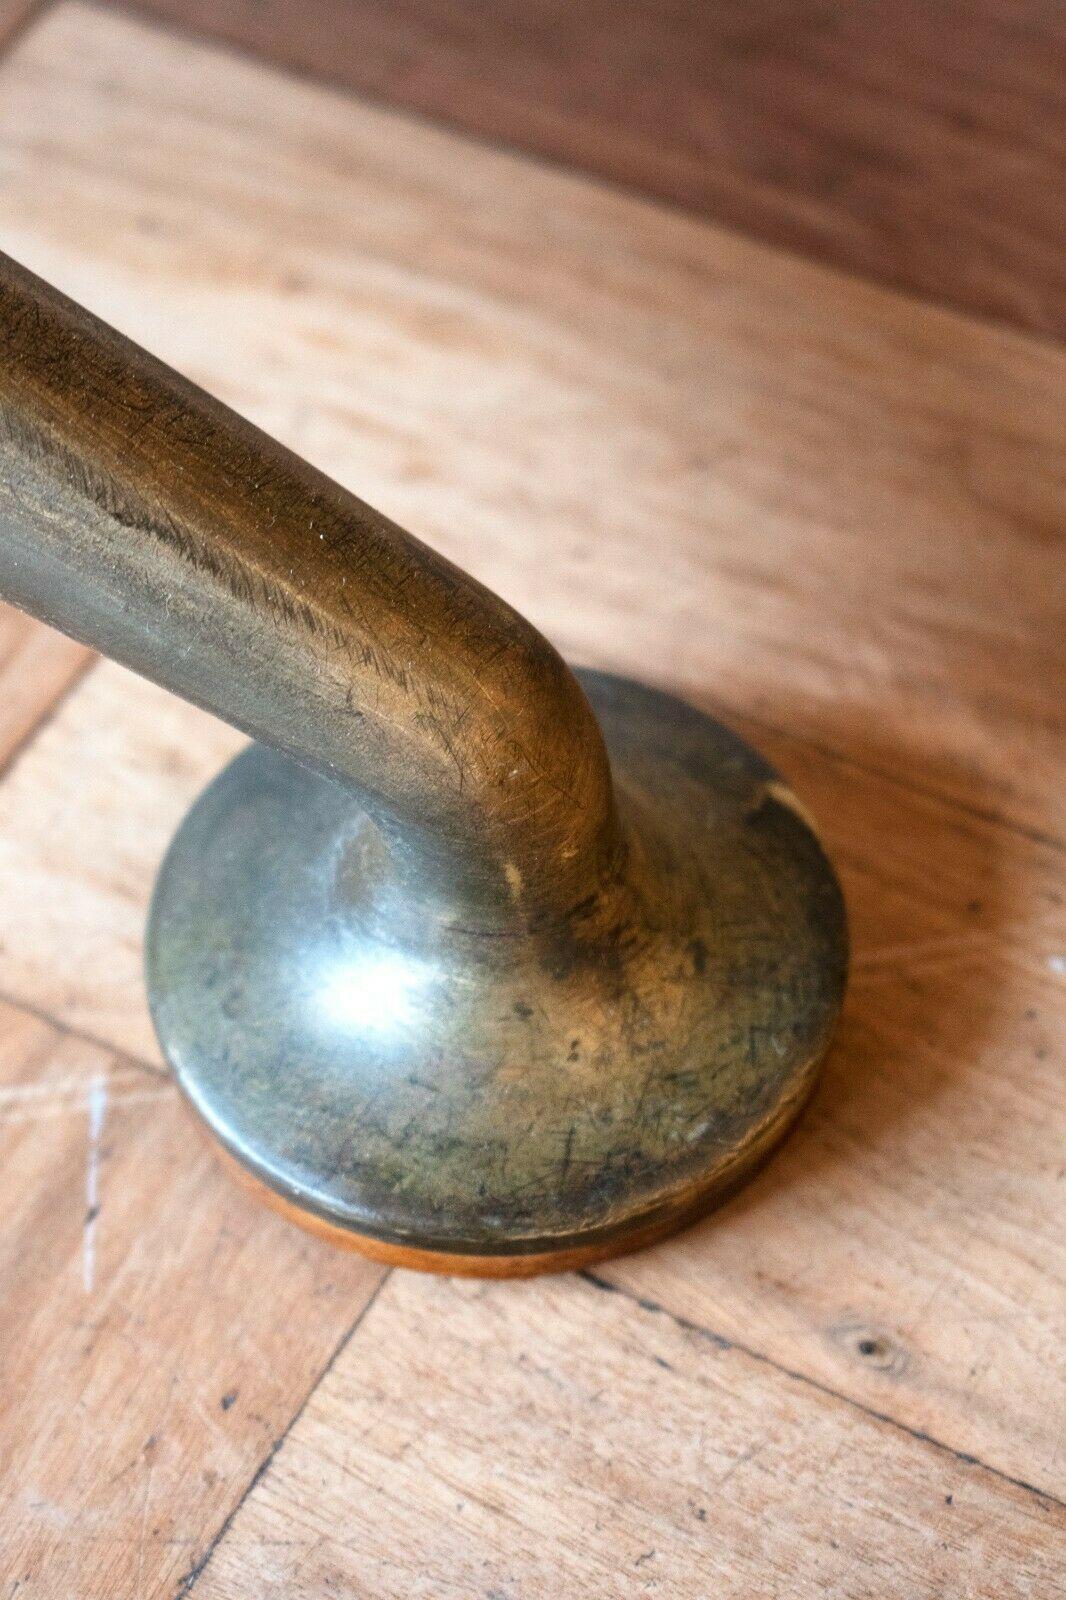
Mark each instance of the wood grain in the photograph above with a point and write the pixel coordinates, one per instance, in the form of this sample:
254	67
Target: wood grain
914	141
557	1440
14	16
817	501
827	513
37	667
907	1246
158	1332
117	747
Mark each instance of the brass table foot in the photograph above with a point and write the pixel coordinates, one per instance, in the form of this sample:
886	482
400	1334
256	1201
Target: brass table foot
508	1098
468	962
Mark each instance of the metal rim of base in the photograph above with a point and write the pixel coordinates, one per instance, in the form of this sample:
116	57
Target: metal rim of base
637	1234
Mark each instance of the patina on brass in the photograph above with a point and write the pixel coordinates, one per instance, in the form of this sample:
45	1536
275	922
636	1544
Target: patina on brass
468	961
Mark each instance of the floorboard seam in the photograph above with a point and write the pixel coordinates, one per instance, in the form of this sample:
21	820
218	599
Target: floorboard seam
731	715
722	1342
576	170
187	1583
11	35
123	1057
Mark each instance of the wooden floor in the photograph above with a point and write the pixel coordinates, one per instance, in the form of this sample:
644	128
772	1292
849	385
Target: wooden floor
916	141
831	512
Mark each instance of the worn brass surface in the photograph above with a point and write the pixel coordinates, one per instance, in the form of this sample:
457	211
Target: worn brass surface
432	974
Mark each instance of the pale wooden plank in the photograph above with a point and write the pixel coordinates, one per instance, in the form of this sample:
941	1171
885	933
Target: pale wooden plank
830	506
37	666
903	139
157	1331
917	1207
548	1439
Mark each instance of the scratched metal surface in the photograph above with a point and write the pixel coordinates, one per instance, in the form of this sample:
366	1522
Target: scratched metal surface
492	1089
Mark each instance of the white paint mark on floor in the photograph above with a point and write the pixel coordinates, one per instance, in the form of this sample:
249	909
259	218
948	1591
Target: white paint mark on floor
97	1112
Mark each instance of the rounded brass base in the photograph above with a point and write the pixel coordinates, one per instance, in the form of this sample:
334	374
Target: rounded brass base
523	1095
